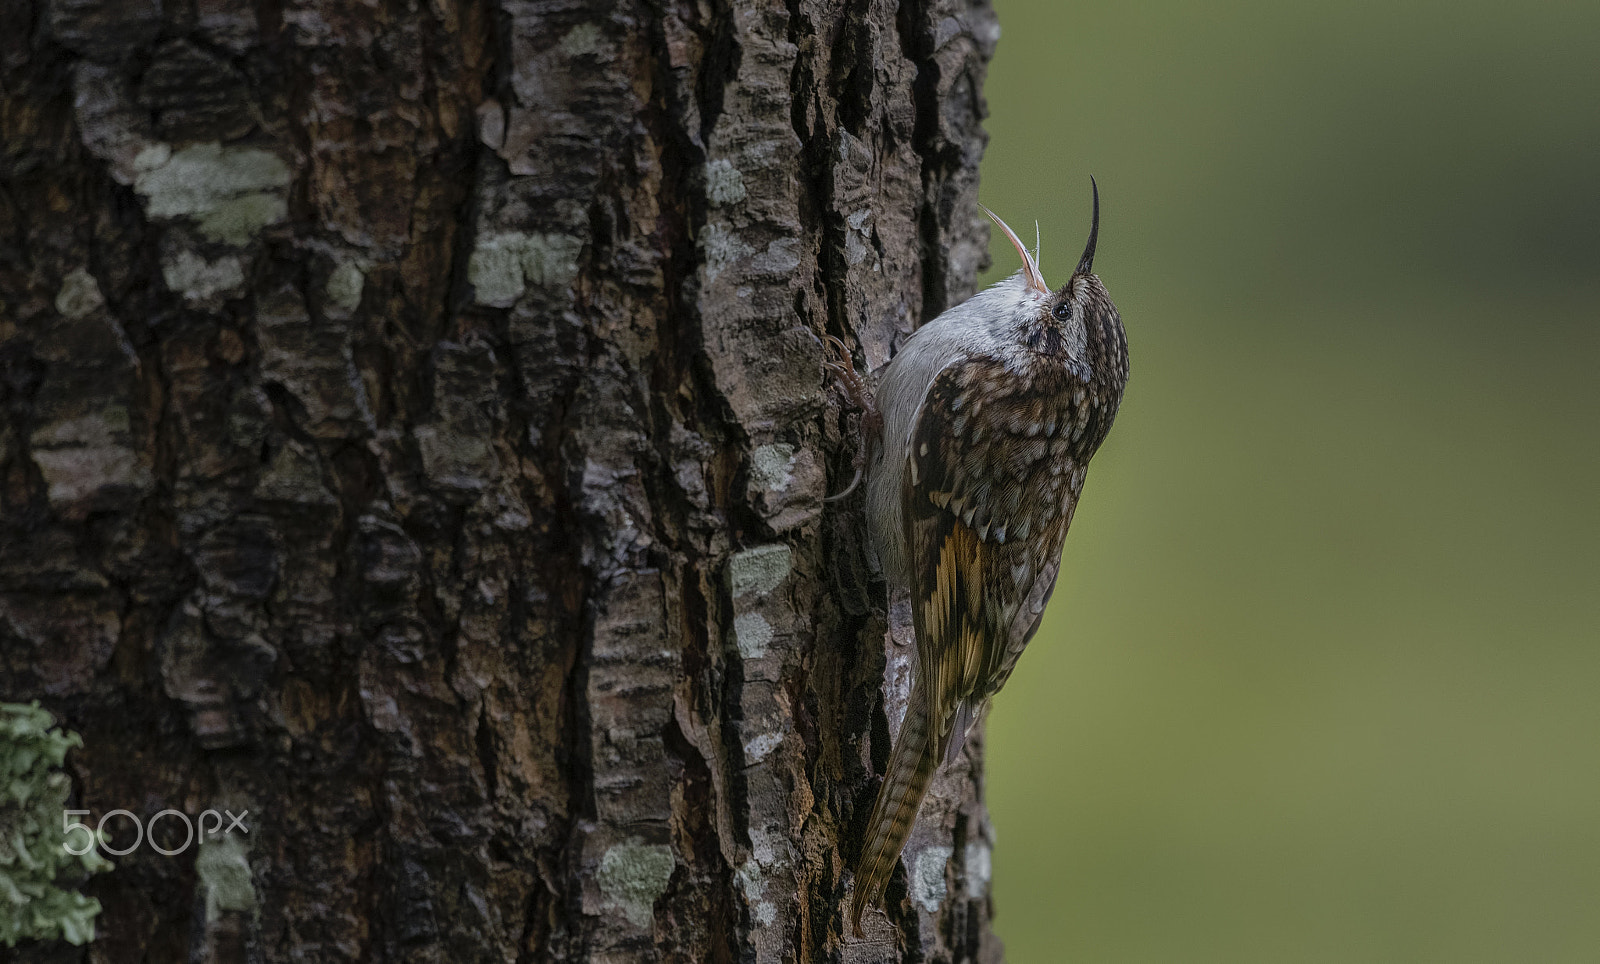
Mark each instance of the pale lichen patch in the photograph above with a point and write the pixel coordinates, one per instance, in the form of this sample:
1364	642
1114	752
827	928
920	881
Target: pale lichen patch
760	570
582	41
752	883
759	748
230	192
197	279
767	858
724	183
750	879
503	265
857	239
979	868
632	875
855	251
752	634
772	465
80	458
721	248
237	220
76	472
79	296
927	877
151	157
223	868
550	260
785	485
495	269
345	285
766	847
764	912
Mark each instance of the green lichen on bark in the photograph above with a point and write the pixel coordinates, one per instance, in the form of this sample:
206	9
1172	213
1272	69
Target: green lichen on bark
230	192
223	868
34	862
633	874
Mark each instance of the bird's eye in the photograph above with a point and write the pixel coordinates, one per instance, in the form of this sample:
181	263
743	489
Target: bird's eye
1063	311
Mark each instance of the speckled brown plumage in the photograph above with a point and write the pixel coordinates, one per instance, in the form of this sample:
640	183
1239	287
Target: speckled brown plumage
993	411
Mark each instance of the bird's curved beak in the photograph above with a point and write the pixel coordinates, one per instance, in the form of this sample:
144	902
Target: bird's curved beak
1086	263
1030	268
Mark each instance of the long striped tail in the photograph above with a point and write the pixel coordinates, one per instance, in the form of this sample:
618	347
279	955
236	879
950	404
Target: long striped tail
911	766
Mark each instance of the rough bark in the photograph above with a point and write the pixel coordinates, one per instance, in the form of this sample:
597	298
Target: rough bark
414	433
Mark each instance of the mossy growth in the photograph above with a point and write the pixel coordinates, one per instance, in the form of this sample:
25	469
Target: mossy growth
34	862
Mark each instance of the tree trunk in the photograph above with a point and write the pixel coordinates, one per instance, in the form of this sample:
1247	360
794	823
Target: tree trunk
415	434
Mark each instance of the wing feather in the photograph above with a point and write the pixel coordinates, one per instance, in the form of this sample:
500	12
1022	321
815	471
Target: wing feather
990	482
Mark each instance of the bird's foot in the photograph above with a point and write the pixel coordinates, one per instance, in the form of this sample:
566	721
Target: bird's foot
854	388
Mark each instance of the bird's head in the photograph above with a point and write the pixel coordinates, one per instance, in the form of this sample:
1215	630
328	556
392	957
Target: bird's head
1057	318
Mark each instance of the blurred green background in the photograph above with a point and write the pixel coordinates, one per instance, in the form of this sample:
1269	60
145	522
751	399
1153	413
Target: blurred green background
1321	681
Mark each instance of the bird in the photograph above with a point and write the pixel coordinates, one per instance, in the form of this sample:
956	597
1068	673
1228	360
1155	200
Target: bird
984	424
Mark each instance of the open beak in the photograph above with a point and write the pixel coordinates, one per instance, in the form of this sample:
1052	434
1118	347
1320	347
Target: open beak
1030	268
1086	263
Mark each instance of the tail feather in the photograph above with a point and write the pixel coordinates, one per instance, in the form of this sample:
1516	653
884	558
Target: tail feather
965	714
911	767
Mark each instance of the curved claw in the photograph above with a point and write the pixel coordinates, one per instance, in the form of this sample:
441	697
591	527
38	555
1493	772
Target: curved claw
847	489
844	361
856	391
844	369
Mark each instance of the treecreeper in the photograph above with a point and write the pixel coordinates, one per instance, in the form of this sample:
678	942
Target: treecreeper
976	442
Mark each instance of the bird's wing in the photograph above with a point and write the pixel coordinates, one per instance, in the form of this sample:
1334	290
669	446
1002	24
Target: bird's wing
992	478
